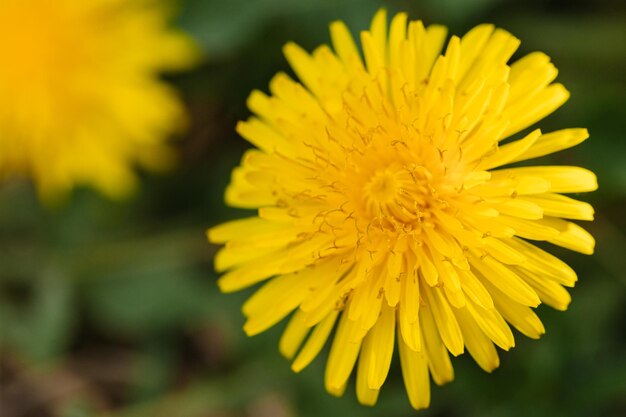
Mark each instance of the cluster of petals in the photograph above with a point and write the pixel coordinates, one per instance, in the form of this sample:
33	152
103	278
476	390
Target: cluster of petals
386	215
82	101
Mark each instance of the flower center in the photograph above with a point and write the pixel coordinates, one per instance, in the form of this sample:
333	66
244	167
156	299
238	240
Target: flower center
403	196
382	189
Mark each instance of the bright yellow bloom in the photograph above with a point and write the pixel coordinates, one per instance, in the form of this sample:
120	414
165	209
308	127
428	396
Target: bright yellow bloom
382	205
80	96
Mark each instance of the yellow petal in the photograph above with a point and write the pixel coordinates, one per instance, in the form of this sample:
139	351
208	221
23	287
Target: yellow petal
364	394
475	290
541	262
526	112
411	332
520	316
517	207
563	179
505	280
343	355
304	67
427	268
294	335
395	266
472	44
494	326
315	342
553	142
378	31
500	250
415	374
261	135
530	229
444	319
397	34
343	43
478	344
380	343
530	75
548	290
557	205
239	228
571	236
436	352
509	152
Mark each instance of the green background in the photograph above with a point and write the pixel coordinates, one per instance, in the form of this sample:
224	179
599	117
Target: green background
111	308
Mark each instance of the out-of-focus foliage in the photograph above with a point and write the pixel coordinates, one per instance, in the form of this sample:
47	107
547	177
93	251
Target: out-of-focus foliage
111	308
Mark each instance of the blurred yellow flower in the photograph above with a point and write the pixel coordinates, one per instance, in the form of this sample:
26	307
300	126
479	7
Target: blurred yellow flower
81	101
382	204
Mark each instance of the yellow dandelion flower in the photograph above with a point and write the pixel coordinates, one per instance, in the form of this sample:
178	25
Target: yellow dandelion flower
383	210
80	96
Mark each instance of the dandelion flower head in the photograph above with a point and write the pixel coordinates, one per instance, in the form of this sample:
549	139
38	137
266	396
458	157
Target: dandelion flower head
384	210
81	101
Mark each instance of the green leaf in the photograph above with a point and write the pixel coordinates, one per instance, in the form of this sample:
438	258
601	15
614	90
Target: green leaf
40	327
